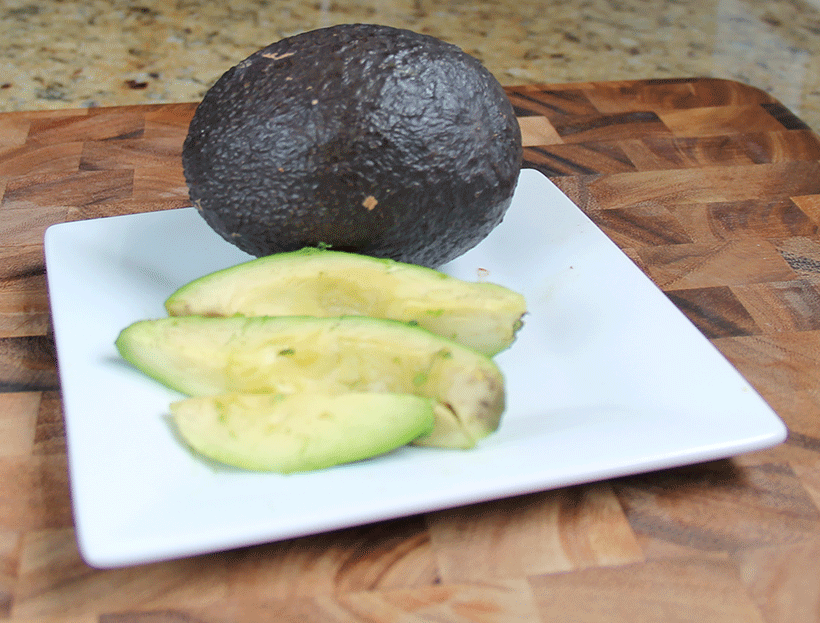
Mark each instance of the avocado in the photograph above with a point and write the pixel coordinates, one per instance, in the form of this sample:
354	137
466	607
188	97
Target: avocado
360	137
315	282
202	356
300	432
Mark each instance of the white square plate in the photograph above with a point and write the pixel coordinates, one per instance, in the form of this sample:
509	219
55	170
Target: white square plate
607	378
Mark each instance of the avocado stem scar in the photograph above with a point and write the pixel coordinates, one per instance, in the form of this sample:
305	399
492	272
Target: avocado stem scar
370	202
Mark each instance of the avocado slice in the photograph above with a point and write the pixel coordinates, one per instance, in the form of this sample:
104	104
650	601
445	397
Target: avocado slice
289	433
201	356
363	137
315	282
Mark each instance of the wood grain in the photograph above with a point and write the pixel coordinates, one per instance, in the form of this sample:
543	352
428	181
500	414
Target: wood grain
711	187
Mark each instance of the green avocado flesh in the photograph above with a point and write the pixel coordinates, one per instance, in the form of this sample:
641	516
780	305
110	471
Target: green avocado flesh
314	282
202	356
300	432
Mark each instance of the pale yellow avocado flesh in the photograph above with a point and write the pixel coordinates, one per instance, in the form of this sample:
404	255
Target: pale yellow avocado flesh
201	356
317	282
289	433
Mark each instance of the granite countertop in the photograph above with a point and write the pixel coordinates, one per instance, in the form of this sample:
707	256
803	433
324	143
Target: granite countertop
111	52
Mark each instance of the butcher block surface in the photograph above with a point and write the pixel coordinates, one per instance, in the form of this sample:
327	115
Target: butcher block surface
711	187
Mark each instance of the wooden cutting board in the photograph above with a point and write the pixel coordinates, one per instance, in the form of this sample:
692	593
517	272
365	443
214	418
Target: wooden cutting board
711	187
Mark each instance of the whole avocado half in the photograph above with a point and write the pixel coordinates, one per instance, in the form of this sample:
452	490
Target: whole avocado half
358	137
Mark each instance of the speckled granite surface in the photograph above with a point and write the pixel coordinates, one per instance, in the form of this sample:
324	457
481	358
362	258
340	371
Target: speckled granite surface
100	53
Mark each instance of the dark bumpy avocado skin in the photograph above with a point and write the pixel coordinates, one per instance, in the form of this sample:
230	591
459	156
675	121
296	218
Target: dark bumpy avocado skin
362	137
